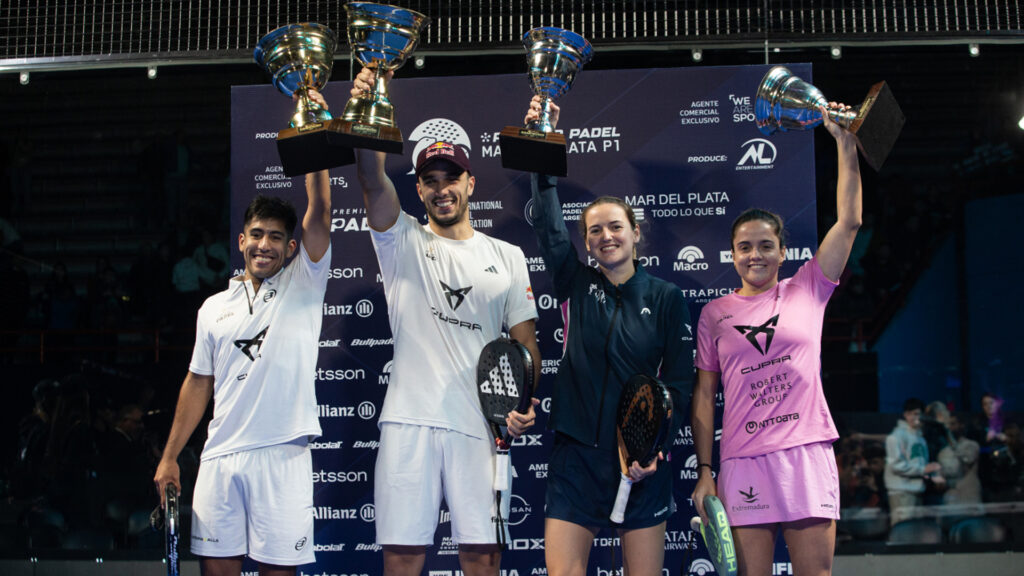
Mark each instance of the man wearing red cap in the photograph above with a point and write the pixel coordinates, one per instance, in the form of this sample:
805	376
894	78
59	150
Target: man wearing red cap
450	290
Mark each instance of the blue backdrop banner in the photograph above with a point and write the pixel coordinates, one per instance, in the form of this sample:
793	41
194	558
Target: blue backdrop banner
679	145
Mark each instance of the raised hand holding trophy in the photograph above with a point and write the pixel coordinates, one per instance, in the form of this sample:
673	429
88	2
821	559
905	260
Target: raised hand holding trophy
555	57
298	58
785	102
382	37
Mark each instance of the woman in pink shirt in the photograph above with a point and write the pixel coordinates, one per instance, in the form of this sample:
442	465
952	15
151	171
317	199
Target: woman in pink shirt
763	343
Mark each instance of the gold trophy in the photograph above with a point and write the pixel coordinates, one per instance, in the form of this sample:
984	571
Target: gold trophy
382	37
555	57
298	57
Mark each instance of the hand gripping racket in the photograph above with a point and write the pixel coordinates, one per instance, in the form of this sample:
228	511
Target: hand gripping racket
166	518
717	536
504	376
644	417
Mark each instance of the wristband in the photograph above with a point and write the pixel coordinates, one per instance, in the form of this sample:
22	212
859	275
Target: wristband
703	464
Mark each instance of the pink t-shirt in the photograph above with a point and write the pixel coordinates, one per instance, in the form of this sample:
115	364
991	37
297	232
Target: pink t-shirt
768	350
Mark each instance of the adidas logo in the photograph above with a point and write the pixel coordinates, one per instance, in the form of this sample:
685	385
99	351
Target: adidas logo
491	269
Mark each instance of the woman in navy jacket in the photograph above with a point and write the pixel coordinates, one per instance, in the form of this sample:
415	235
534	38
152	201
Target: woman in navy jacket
619	321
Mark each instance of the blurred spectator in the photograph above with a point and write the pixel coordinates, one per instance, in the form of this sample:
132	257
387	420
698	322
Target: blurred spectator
907	462
27	479
213	261
70	460
105	293
959	460
128	464
60	301
998	466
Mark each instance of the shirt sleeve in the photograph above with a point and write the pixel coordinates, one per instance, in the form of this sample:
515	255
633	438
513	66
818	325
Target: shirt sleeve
707	349
677	363
556	247
811	278
385	244
202	351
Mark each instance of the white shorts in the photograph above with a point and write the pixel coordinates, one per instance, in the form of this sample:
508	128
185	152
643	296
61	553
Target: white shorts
257	502
416	465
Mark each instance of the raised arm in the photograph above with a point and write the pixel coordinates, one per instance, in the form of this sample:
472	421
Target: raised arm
316	224
835	248
379	194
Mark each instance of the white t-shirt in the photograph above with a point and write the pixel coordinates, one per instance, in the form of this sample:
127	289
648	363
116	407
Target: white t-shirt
261	348
446	300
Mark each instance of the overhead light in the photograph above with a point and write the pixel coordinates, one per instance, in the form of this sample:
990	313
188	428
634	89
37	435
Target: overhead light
151	72
419	62
697	54
837	52
23	78
973	49
1020	124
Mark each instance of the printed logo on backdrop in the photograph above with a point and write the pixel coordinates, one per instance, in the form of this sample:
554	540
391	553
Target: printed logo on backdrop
349	220
758	154
384	378
680	540
519	510
701	567
368	513
367	410
438	130
674	205
689	259
684	437
363	309
272	178
742	108
700	112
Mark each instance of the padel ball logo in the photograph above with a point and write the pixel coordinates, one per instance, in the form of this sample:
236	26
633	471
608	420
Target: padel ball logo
437	130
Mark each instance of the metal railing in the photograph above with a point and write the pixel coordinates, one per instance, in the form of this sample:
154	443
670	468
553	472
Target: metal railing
54	34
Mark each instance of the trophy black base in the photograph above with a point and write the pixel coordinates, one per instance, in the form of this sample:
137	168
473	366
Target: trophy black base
366	136
533	151
878	124
307	149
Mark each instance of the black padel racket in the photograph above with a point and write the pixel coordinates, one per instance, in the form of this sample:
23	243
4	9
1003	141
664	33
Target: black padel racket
717	536
504	382
171	529
644	417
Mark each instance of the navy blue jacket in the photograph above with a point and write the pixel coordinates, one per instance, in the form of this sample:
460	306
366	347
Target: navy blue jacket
612	333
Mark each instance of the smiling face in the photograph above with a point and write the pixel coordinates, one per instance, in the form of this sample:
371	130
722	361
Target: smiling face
445	193
265	246
757	253
610	237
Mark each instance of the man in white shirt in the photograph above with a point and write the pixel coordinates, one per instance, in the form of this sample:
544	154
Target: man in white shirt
450	290
255	355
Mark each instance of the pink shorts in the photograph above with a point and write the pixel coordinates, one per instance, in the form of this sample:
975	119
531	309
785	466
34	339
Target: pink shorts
792	484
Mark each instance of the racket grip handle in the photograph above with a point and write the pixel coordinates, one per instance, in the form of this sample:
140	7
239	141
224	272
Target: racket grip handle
619	509
501	474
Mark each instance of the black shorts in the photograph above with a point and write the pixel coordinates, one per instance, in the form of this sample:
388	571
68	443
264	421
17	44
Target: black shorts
583	482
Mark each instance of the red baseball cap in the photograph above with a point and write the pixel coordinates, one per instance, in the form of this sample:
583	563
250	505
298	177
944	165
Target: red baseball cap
442	151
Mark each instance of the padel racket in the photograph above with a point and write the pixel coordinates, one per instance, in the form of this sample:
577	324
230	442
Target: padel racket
171	527
504	378
644	417
717	536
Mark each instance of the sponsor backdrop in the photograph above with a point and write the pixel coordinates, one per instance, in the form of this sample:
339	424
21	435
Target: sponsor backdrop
681	147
